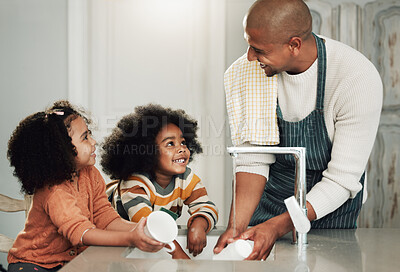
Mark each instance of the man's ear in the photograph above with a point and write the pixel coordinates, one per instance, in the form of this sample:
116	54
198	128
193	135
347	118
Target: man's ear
295	44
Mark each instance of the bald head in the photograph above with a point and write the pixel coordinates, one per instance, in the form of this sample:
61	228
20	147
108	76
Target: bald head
280	19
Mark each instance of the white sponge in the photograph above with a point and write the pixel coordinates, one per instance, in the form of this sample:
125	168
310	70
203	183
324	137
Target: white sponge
299	219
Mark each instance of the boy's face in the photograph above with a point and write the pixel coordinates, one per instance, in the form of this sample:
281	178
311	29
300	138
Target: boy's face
173	152
83	142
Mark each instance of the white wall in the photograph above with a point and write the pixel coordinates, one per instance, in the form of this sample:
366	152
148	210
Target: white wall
33	66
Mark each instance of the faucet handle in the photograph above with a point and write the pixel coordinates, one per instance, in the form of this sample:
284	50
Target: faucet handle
299	219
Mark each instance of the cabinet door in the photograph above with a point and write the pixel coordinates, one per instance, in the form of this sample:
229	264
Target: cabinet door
325	18
381	44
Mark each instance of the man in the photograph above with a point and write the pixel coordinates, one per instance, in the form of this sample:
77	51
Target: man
329	101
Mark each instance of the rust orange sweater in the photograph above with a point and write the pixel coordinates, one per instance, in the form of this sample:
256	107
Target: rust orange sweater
58	218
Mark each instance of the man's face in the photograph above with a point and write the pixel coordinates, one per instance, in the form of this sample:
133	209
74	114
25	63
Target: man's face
274	58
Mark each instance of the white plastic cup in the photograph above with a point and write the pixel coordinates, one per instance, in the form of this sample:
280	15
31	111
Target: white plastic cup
236	251
162	227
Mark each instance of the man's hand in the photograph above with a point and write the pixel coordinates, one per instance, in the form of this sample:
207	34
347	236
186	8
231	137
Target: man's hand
249	188
264	236
226	238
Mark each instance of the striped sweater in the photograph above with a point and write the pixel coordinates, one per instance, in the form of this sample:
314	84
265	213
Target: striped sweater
138	196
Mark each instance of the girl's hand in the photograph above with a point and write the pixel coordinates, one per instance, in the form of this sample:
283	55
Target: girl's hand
197	235
143	242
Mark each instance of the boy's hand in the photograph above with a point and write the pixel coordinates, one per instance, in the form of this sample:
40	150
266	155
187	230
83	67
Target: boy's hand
178	253
197	235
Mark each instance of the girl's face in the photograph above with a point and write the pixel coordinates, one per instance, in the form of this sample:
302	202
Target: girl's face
174	155
83	142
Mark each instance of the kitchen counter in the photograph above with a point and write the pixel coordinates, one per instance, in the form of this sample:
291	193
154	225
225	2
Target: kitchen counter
327	250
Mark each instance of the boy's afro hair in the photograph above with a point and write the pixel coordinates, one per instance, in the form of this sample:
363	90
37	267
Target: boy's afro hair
40	148
131	147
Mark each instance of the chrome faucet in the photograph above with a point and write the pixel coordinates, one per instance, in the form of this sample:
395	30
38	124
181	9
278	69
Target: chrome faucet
300	184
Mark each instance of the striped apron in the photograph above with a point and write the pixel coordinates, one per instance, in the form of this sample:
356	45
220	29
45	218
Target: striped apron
310	133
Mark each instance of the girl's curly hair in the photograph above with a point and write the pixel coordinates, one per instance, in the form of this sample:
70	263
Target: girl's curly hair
40	148
131	147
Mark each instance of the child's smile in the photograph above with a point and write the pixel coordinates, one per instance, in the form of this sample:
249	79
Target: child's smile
180	161
173	153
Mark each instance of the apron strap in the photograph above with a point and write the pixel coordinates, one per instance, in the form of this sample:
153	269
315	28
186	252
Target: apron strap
321	51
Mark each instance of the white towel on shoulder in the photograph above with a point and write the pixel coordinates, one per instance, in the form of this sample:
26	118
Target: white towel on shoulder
251	99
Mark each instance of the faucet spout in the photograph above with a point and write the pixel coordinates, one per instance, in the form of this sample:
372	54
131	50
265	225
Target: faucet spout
300	189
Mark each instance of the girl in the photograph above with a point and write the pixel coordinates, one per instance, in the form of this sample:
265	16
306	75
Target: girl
52	153
148	153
